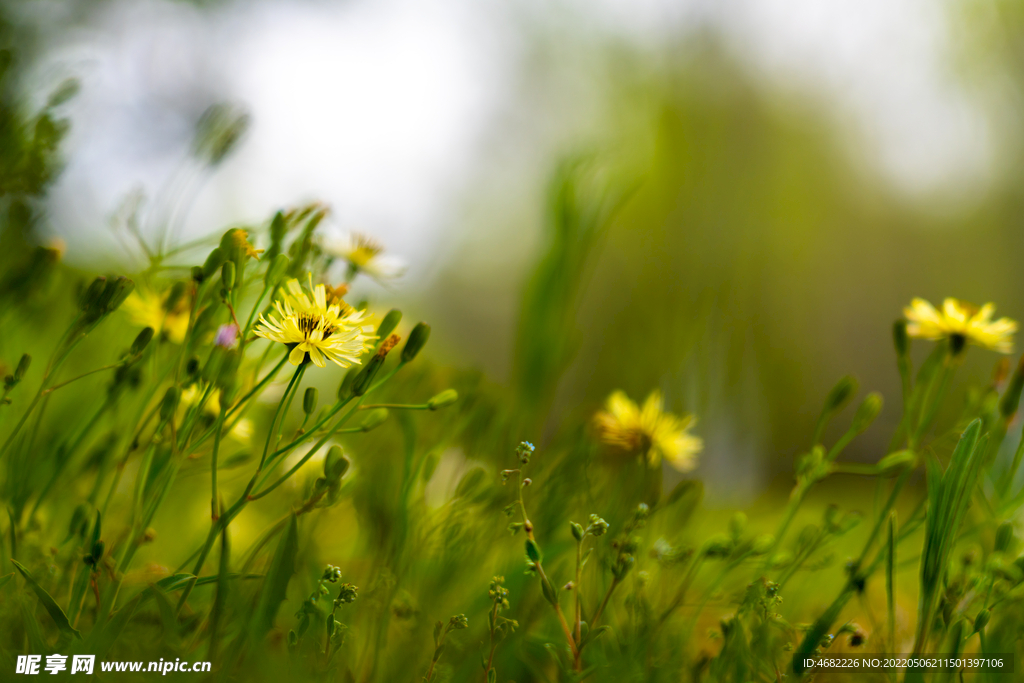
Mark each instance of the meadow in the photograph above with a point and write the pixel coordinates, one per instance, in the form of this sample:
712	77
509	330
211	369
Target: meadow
223	457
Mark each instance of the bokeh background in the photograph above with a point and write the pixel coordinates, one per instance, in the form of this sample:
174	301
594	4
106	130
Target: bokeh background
791	174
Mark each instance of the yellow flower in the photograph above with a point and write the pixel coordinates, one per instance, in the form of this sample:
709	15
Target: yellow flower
649	431
963	320
317	323
364	254
150	309
242	429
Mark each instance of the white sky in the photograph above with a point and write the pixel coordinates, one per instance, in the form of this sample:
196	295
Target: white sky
380	108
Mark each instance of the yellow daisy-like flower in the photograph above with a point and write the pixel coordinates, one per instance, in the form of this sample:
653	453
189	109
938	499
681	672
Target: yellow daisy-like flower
962	321
649	431
364	254
149	309
242	429
315	322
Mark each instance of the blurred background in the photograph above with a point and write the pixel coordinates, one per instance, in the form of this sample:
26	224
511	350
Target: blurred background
782	177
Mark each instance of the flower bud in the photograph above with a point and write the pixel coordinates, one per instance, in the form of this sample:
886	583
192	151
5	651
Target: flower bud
737	524
763	544
23	365
170	403
375	418
276	271
213	262
345	388
445	398
1004	536
142	341
841	393
897	463
361	382
335	464
278	230
867	412
577	530
227	275
899	337
1011	397
97	550
389	323
459	621
309	400
92	293
981	620
417	340
174	296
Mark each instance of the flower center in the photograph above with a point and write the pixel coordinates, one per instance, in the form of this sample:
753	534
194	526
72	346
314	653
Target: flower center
309	323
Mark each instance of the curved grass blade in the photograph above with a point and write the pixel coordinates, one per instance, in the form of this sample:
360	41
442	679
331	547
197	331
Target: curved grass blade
54	610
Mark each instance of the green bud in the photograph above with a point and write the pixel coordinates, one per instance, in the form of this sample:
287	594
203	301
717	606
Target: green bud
114	293
335	464
737	524
763	544
213	262
276	271
23	365
170	403
445	398
278	229
389	323
867	412
90	297
840	395
375	418
174	296
227	275
533	550
345	388
1011	397
899	337
429	465
142	341
897	463
416	341
577	530
97	551
1004	537
549	592
981	620
362	381
309	400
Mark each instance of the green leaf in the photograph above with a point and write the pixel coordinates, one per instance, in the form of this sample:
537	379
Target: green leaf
54	610
4	580
275	585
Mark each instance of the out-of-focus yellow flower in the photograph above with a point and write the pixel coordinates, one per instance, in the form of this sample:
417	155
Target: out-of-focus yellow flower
649	431
242	429
149	309
364	254
963	320
317	323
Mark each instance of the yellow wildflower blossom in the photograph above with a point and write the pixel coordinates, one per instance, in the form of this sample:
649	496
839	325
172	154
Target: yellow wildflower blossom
312	322
962	320
149	309
649	431
364	254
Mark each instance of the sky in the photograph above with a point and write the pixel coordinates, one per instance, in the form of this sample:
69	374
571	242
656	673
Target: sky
388	110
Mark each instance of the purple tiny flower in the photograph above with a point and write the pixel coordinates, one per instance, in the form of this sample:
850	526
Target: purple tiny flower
227	335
